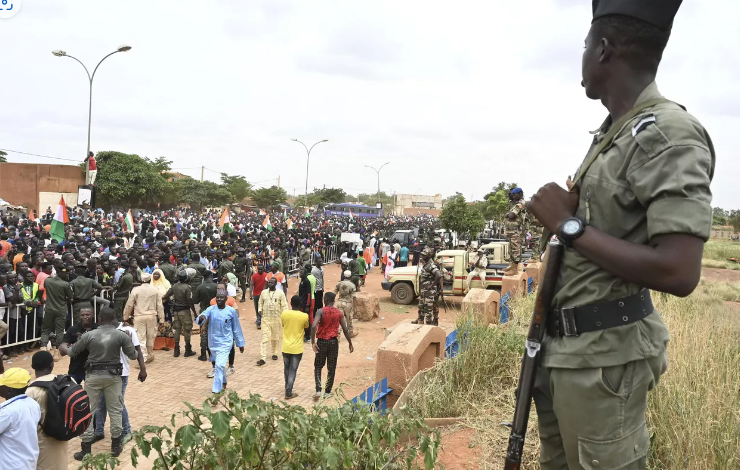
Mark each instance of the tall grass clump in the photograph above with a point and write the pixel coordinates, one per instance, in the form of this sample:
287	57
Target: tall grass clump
713	263
721	250
693	415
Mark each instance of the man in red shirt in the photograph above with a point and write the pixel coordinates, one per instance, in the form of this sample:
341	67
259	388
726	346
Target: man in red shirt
326	325
259	279
92	167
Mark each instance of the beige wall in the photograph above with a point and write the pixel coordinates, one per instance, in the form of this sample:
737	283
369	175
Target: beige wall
403	203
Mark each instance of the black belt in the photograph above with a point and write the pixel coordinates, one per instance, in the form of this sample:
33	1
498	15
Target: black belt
115	368
572	321
79	301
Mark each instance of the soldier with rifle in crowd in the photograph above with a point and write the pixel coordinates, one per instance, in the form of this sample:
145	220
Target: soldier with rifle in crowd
635	219
430	288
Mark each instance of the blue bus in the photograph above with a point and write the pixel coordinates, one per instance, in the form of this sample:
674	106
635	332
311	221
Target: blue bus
358	210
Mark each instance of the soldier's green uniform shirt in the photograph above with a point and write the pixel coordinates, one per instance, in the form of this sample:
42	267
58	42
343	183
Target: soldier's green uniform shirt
652	183
169	272
83	288
182	295
124	286
204	293
197	278
57	293
104	345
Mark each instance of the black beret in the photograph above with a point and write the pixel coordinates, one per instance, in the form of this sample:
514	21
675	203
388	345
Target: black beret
659	13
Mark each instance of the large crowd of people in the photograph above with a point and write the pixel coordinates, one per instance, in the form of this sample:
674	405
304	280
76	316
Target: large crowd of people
115	283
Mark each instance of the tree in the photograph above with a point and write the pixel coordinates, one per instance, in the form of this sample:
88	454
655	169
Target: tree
269	198
325	196
200	194
237	185
372	198
496	203
128	180
719	216
2	157
458	216
733	219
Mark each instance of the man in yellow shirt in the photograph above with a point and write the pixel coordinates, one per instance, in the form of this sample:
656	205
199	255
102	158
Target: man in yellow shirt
294	323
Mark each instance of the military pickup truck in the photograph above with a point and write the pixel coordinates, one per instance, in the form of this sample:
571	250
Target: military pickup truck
455	266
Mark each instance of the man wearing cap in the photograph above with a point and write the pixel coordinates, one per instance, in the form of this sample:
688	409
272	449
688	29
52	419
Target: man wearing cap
224	330
58	293
144	310
52	452
635	219
514	230
479	269
272	304
184	311
103	375
430	285
19	418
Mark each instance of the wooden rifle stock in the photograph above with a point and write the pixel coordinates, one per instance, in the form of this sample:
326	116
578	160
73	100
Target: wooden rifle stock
532	353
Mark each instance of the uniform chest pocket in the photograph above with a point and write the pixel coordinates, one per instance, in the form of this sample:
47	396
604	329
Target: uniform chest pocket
607	205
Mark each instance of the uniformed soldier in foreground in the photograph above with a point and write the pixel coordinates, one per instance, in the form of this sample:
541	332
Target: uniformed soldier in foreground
636	220
535	228
183	312
430	285
514	229
103	374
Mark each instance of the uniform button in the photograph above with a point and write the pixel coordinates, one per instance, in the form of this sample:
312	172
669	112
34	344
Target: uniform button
637	448
595	463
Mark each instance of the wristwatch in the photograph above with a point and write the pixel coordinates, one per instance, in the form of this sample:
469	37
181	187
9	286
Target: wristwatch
571	229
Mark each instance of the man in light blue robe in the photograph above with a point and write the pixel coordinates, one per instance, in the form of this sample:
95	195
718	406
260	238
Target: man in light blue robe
223	330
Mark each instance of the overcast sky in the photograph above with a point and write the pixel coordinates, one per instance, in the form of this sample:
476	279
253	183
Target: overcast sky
456	95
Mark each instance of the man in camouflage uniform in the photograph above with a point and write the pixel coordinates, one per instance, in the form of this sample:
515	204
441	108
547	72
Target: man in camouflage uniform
514	227
535	228
430	286
345	301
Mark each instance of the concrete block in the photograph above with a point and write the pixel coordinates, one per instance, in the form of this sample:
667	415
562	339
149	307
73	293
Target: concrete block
406	351
482	305
533	271
367	306
516	285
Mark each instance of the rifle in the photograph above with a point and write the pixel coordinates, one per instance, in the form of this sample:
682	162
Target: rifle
532	353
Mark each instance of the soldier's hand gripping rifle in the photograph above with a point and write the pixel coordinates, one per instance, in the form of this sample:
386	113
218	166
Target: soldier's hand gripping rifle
532	353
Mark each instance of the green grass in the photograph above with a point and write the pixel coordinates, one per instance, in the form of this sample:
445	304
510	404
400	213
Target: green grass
693	415
721	250
713	263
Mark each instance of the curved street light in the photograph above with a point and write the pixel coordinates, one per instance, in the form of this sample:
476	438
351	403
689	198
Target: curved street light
308	157
378	172
61	53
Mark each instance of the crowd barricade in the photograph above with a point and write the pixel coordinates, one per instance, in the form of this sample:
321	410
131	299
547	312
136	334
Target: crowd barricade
25	326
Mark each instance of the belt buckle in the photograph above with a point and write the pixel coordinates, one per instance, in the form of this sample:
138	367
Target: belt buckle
567	321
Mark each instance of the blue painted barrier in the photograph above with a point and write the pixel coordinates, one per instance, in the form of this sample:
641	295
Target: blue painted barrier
503	308
530	285
376	395
451	345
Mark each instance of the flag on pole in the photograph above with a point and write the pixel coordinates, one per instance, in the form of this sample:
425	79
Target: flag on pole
60	219
262	212
285	213
31	217
129	222
266	223
350	215
308	214
225	221
290	224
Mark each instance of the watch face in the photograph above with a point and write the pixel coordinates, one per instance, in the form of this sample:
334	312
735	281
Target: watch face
571	227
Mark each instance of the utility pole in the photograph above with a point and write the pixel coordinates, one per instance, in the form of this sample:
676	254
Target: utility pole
202	169
278	181
377	196
308	158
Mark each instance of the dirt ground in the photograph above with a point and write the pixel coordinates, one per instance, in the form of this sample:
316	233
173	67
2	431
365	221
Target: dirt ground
724	275
460	451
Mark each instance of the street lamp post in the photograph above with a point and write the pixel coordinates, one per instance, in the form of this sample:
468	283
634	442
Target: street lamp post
377	196
60	53
308	157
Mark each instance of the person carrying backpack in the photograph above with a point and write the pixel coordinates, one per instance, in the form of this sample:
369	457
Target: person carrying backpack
55	394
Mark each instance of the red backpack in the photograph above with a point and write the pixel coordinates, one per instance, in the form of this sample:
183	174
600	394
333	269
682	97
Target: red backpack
68	411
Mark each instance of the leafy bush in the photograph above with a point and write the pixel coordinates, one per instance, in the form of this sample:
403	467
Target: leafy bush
229	432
